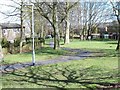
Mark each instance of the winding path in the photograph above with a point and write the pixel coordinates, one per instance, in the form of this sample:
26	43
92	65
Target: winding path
79	56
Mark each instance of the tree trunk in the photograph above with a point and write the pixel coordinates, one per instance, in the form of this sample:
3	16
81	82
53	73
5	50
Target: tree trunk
42	35
88	32
67	32
90	21
67	40
1	53
118	19
84	21
118	44
21	30
55	26
57	32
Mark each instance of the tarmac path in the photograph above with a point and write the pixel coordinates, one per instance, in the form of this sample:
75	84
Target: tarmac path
79	56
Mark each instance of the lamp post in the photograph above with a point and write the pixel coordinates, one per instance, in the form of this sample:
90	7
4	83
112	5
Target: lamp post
33	35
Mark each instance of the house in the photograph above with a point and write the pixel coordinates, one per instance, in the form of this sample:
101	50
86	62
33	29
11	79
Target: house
10	31
113	29
108	30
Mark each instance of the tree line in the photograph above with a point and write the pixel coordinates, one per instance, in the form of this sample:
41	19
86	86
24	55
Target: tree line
63	17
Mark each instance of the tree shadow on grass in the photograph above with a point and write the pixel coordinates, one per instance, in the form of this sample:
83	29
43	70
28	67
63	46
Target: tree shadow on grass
60	78
111	43
48	50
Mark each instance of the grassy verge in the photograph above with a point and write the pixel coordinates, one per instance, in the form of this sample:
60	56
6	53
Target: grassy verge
88	73
91	73
92	44
45	53
105	48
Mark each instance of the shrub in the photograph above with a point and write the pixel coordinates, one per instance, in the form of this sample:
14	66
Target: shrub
28	40
5	43
17	42
42	40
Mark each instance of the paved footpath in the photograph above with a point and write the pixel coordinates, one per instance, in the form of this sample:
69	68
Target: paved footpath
79	56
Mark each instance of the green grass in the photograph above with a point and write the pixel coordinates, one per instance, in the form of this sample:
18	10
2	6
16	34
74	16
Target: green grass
90	73
92	44
45	53
105	48
74	74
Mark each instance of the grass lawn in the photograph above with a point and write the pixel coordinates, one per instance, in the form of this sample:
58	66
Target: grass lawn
92	44
90	73
45	53
87	73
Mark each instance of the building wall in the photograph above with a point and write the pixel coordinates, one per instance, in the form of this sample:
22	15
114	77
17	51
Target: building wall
11	34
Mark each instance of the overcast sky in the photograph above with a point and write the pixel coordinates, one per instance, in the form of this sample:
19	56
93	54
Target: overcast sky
7	9
3	8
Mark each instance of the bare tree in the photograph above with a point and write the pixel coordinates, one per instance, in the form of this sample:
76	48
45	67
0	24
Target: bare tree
67	24
87	16
17	12
79	12
68	7
116	9
21	20
84	11
1	53
49	11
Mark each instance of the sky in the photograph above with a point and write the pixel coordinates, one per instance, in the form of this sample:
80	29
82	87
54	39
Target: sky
7	9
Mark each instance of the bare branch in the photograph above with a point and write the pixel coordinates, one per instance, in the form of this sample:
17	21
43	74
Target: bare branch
10	6
15	2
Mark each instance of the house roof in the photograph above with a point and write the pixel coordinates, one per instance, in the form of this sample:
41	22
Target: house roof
10	25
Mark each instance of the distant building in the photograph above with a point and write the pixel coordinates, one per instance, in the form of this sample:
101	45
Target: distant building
108	30
11	30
